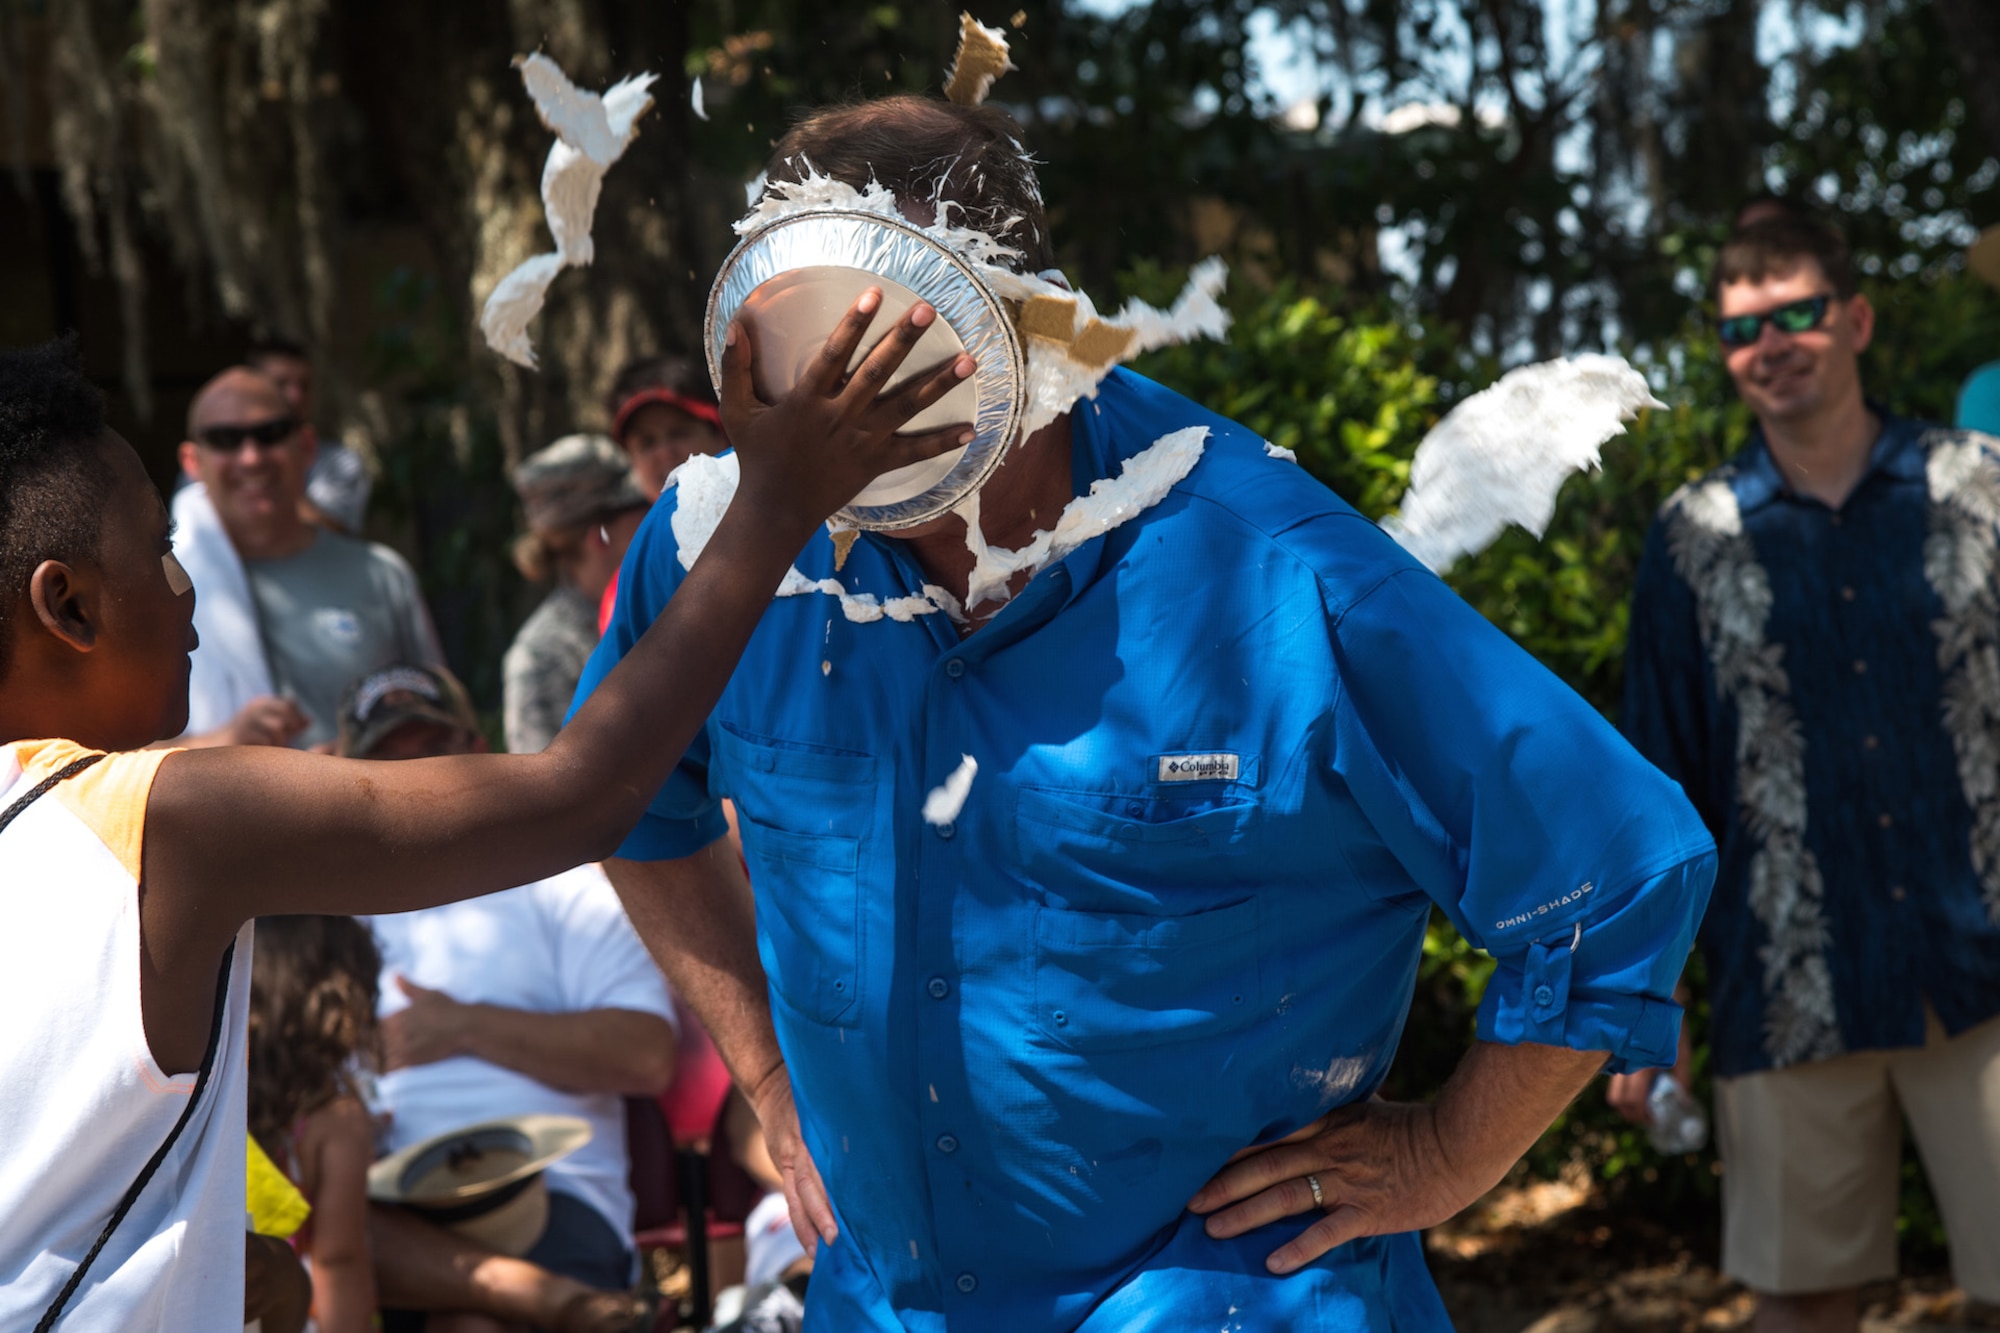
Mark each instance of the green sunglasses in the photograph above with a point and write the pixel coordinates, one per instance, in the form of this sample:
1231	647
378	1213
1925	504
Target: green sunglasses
1792	317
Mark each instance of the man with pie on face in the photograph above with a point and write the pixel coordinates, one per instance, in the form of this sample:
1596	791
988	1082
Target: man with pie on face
1813	658
1089	897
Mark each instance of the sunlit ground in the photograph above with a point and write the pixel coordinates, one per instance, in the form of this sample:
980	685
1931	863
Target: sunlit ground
1549	1257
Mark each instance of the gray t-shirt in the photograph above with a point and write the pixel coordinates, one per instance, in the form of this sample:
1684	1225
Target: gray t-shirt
333	613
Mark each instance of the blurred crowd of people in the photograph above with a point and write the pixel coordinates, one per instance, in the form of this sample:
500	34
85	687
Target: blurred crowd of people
1780	672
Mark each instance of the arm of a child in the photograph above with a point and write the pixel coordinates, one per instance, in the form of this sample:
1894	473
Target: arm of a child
234	834
335	1146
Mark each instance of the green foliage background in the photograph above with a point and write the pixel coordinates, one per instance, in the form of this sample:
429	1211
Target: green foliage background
1352	388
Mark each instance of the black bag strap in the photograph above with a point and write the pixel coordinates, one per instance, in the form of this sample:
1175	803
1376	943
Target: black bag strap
54	1312
45	786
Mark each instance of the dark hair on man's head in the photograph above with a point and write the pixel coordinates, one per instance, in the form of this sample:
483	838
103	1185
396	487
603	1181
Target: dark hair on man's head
925	150
1767	207
273	349
313	983
54	484
678	374
1776	246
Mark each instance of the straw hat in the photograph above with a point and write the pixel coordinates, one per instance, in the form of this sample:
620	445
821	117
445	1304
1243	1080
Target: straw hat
483	1181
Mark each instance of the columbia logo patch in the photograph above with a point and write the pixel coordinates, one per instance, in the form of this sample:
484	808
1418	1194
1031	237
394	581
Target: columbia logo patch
1218	767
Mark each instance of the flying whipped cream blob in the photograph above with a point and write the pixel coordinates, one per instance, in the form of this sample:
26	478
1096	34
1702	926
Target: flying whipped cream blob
592	133
943	803
1502	455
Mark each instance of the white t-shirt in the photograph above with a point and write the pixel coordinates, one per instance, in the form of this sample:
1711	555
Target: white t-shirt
559	945
83	1105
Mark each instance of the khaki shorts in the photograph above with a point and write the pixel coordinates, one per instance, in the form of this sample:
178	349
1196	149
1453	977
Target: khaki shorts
1811	1156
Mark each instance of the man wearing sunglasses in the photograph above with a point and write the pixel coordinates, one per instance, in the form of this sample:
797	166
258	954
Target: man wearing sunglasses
288	612
1812	656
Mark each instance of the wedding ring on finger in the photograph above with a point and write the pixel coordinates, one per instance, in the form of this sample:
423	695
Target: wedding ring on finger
1319	1199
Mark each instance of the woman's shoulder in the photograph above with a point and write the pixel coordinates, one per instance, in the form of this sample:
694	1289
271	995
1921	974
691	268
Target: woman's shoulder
342	1123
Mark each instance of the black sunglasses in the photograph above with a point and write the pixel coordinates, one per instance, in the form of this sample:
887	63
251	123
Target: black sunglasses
265	434
1792	317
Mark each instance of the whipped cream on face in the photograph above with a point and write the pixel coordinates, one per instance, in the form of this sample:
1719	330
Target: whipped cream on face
1068	349
1056	378
706	483
1143	481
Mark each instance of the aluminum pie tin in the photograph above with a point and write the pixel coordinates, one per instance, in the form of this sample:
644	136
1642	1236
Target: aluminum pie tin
796	277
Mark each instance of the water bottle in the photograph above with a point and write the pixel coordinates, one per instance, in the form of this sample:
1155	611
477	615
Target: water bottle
1679	1124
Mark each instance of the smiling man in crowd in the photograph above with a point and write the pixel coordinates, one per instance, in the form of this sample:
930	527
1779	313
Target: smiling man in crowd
1812	656
337	484
317	609
1230	753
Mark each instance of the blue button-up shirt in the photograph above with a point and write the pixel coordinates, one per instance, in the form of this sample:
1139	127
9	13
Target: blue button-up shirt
1825	685
1229	755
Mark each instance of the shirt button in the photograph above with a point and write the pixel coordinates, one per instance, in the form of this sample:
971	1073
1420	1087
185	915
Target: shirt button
1885	819
947	830
1544	997
946	1143
967	1283
939	988
1847	594
1897	893
1833	519
1860	667
1870	742
954	667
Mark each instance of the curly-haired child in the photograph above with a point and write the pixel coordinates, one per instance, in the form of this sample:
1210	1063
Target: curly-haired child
312	1008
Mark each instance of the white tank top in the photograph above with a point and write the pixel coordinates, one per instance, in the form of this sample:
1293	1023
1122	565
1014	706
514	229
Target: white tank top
83	1107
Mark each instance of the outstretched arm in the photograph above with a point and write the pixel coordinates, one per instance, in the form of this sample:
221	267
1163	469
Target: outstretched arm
233	834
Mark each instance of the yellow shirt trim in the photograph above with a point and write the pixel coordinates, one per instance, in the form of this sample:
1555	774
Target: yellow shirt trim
109	797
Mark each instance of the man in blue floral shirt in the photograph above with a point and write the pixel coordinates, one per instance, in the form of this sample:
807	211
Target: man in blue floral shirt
1815	657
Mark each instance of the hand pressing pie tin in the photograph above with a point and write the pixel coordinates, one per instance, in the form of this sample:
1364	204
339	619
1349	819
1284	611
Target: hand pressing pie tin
792	280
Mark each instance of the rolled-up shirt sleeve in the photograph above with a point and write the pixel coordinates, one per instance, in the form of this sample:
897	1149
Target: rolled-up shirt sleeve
1508	800
684	816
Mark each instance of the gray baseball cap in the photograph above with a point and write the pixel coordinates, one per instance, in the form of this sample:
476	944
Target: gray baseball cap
578	479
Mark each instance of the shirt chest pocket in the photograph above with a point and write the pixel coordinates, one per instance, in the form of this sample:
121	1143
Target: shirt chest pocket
805	814
1109	848
1183	969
